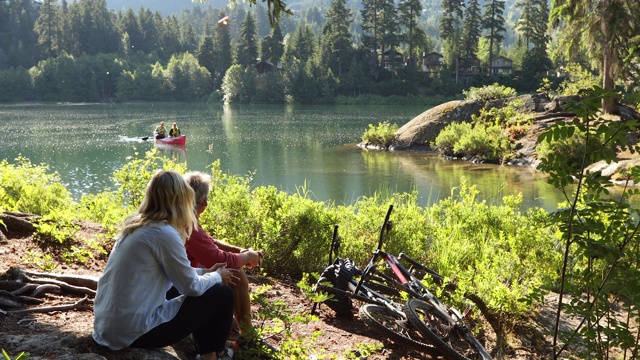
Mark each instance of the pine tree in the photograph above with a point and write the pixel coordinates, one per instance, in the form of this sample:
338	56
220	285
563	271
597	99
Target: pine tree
336	38
129	24
451	30
493	22
471	29
606	29
223	58
47	27
371	27
273	46
409	11
247	50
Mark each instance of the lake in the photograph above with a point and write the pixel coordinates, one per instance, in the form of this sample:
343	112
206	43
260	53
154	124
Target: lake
284	146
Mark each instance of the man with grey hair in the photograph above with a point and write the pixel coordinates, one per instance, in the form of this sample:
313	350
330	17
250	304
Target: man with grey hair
202	250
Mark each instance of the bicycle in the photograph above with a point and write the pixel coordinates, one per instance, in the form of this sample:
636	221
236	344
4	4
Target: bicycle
440	325
379	311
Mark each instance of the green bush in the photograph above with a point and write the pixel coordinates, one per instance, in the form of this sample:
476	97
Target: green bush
449	136
496	251
381	135
489	92
480	142
29	188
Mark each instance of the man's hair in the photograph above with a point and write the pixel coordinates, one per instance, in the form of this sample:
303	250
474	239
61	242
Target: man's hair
200	183
168	198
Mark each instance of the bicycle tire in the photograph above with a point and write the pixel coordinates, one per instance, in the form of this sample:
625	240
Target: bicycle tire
434	326
394	327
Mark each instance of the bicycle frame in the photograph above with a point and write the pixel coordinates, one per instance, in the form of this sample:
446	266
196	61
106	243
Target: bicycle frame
405	281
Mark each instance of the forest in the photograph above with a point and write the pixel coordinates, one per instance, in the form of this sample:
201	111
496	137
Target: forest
315	52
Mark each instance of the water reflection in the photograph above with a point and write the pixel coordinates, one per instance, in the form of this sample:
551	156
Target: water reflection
175	152
285	146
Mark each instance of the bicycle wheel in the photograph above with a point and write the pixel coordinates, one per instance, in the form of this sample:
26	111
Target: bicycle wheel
395	327
453	341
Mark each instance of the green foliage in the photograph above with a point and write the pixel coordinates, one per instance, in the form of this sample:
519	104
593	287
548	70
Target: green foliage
274	318
515	251
600	239
479	142
22	356
489	92
577	79
132	179
381	135
29	188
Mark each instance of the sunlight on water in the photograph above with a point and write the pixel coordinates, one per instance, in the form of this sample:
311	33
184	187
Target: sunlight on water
286	146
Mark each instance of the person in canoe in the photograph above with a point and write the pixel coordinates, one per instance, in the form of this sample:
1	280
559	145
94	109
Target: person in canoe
175	131
160	132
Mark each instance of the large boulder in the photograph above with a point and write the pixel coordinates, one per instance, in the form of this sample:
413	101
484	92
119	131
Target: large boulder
418	133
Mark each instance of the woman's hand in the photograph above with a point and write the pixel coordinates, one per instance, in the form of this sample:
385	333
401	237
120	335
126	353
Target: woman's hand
228	276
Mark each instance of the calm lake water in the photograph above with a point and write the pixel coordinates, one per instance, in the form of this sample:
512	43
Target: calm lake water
285	146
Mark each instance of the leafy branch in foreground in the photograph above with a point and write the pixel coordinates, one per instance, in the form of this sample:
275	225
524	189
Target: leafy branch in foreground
600	233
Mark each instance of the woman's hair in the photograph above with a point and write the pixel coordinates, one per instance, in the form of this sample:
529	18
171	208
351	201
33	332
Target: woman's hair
200	183
168	198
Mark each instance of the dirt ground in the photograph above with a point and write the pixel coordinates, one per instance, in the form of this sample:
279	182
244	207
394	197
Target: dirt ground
67	334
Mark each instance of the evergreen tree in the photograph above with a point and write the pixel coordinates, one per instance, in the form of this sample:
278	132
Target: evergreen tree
451	30
493	22
301	45
93	28
336	38
247	50
206	54
171	36
372	27
129	24
223	58
22	39
409	11
389	27
47	27
471	29
606	29
188	39
532	26
273	46
148	30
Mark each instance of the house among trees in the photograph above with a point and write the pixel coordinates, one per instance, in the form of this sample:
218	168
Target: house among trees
469	65
392	59
432	62
264	66
501	65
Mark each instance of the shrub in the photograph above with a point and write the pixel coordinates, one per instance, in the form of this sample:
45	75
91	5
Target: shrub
480	142
449	136
25	187
381	135
489	92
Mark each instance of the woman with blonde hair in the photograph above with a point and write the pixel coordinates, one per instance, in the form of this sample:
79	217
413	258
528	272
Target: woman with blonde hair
148	259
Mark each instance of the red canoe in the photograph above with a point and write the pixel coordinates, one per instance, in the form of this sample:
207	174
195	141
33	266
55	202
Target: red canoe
181	140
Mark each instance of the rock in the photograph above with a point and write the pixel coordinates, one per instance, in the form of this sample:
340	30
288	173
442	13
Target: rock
418	133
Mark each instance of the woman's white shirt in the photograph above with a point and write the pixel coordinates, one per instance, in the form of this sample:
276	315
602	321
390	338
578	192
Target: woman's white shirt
141	268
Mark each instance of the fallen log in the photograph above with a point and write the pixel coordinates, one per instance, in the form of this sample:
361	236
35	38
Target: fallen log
87	281
81	304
